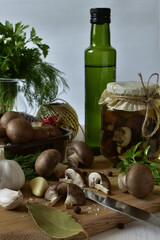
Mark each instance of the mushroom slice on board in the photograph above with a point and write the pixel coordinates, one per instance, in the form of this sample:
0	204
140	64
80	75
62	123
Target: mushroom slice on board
74	176
75	196
122	136
55	192
79	153
99	181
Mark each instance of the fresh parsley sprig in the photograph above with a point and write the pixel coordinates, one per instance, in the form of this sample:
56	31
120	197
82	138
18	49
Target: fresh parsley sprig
136	155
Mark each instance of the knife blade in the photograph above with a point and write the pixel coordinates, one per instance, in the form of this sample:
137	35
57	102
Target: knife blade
123	208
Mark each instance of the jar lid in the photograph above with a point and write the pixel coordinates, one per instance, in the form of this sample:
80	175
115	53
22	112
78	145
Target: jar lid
130	88
112	96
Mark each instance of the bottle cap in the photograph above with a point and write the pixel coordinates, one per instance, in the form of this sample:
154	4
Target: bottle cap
100	15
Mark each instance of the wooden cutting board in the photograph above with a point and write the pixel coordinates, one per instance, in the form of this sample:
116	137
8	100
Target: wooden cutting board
18	224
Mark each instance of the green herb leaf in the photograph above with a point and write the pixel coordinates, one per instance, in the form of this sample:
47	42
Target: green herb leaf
138	153
9	26
27	164
54	222
32	33
134	155
134	148
44	48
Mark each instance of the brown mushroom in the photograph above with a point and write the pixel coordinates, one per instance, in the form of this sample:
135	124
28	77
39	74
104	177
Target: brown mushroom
55	192
19	131
99	181
139	180
75	196
79	153
122	136
48	162
2	132
4	140
53	131
39	133
74	176
8	116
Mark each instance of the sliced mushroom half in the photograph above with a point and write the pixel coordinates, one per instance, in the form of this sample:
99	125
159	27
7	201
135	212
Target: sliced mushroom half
75	196
122	136
99	181
74	176
55	192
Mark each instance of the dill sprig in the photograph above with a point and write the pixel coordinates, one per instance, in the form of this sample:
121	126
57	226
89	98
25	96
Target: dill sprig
27	164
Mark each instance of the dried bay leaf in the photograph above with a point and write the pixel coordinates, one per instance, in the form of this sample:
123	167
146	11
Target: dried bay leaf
54	222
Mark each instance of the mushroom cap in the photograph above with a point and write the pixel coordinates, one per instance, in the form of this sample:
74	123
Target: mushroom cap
83	152
75	196
8	116
47	161
76	177
19	131
98	178
139	180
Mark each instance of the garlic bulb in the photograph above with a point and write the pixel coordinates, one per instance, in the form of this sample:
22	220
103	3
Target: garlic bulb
11	173
10	199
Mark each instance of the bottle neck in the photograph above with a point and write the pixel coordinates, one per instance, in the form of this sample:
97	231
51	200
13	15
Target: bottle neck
100	35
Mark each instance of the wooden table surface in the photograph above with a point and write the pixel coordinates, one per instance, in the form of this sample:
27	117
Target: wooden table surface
18	224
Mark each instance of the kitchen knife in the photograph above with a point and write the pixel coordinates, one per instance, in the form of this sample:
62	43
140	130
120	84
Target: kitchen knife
123	208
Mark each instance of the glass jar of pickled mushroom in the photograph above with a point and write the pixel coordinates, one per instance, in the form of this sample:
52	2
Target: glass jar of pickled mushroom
130	114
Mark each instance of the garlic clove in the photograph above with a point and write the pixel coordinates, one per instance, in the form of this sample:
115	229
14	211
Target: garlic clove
38	186
10	199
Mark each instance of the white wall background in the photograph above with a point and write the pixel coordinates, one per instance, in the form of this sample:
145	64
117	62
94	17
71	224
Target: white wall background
65	27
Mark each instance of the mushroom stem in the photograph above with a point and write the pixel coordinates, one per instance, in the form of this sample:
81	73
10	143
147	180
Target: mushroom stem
73	159
55	192
59	170
65	180
54	200
102	188
69	202
122	182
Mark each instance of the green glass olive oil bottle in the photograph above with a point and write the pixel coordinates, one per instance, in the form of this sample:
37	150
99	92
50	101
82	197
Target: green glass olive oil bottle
100	69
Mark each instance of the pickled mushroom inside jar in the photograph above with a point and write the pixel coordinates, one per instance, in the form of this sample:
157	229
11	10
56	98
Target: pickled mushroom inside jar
127	118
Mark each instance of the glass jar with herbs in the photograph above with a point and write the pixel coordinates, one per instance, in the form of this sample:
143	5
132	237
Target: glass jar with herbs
130	114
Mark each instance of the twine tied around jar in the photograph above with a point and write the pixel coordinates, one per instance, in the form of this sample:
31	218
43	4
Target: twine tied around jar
149	100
